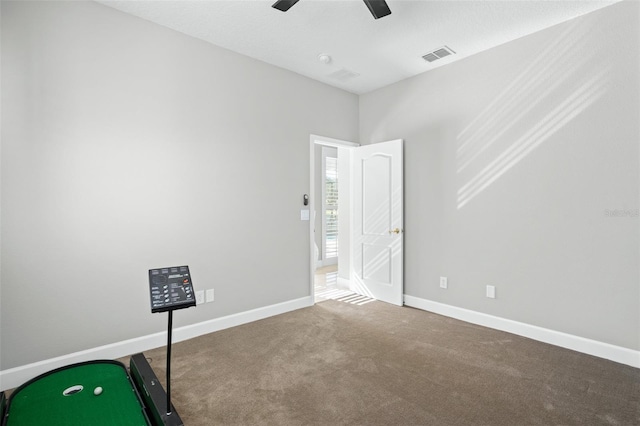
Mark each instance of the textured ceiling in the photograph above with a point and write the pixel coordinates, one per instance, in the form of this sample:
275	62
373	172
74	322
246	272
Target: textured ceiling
366	53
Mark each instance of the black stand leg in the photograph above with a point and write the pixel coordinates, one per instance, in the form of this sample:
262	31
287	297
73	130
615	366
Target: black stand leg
169	363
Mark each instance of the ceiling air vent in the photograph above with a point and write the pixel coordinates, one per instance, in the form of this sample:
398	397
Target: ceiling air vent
438	54
343	75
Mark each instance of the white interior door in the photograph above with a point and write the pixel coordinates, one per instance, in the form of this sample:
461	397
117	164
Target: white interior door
378	221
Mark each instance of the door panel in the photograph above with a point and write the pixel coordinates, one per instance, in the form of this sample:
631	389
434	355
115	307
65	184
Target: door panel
376	187
378	221
376	261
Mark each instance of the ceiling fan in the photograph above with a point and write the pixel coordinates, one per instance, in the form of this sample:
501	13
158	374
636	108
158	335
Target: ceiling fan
378	8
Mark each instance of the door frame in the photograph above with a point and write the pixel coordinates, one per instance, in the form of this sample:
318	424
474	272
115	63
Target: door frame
313	141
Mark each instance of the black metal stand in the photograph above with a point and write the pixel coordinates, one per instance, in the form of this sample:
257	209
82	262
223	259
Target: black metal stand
170	289
169	362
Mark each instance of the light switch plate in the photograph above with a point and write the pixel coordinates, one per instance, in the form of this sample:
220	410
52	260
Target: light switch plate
210	295
491	292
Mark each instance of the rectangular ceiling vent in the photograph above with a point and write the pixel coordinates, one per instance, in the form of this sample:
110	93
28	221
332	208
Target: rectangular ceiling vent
343	75
438	54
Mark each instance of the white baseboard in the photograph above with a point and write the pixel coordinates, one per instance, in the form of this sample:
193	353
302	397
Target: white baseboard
14	377
557	338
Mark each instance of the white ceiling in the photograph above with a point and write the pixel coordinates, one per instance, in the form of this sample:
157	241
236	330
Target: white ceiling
380	51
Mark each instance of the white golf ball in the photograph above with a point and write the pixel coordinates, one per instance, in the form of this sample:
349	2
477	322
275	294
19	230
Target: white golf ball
97	391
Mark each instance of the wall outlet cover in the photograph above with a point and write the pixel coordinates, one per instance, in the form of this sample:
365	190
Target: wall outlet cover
199	297
443	282
210	295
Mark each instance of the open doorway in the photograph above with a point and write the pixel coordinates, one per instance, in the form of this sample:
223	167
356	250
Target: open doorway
326	222
369	220
329	216
326	198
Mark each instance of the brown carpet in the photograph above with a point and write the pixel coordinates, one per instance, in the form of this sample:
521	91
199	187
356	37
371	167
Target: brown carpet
378	364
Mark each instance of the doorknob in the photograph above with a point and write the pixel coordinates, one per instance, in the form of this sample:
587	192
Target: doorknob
395	231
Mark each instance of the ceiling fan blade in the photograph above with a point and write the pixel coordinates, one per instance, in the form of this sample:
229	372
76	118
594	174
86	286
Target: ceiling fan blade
378	8
284	5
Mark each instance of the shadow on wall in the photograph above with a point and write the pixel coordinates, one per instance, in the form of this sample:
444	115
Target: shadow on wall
558	85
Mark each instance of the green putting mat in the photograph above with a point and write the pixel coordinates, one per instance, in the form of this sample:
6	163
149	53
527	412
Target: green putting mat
42	401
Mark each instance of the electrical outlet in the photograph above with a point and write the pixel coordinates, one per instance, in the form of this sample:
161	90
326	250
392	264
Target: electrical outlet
491	292
199	297
210	295
443	282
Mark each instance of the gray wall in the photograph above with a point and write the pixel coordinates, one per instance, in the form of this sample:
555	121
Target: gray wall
521	171
128	146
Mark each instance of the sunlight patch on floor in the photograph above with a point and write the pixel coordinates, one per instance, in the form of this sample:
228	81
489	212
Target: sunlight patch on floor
326	288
